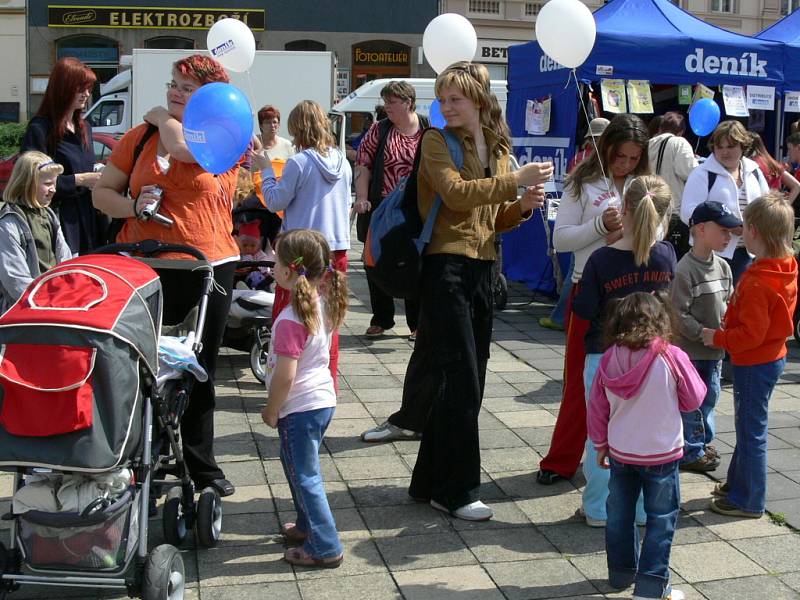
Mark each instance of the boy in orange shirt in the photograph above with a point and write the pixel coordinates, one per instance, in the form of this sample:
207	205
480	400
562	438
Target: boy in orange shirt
754	332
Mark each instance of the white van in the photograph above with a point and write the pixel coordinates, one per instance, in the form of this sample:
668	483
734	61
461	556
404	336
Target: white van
362	102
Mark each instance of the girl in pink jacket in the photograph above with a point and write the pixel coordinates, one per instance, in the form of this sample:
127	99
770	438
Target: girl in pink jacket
642	385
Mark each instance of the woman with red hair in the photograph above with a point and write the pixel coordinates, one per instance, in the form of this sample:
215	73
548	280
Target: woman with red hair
200	206
58	130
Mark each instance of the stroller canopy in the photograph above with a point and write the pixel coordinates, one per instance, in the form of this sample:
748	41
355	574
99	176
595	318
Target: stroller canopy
102	293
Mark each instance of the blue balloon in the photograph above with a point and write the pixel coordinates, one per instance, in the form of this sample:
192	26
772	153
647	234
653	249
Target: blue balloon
435	115
217	126
704	117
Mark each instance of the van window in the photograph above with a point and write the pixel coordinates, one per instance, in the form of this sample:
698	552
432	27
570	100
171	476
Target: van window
107	114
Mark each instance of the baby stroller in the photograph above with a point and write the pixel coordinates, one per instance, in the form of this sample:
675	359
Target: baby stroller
249	326
84	473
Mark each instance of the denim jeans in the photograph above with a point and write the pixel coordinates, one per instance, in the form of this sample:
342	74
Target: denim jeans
595	494
301	435
747	473
560	309
698	425
648	569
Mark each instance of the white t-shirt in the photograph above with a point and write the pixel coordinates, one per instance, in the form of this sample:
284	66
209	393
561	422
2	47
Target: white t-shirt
313	384
282	149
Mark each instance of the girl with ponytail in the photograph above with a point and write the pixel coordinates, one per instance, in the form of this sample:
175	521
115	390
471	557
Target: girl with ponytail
301	397
637	262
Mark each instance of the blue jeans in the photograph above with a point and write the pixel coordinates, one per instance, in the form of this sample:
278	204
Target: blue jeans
301	435
698	425
747	473
595	494
648	569
560	309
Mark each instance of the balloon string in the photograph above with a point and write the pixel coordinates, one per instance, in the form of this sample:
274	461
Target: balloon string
594	142
251	93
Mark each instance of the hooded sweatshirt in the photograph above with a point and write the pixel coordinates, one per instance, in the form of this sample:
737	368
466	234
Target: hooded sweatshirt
759	317
636	400
314	193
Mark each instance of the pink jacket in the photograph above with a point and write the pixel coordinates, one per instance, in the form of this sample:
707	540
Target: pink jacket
636	400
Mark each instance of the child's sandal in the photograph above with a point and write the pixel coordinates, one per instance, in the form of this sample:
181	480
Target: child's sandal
292	534
299	558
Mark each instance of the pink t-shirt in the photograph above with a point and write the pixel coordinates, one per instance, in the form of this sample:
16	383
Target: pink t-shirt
313	384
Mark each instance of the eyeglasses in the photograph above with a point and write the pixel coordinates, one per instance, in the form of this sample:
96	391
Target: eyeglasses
183	89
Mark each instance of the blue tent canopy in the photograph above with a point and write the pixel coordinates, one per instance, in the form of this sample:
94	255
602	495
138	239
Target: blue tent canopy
636	39
787	30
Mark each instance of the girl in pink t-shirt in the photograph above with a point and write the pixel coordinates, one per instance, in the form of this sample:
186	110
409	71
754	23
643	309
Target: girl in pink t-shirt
301	398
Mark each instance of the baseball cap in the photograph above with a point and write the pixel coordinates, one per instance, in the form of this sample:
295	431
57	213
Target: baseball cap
714	211
596	127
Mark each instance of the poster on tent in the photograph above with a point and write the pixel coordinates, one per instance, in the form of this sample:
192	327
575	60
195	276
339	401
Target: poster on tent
761	97
639	97
792	102
537	116
613	94
684	95
734	99
702	91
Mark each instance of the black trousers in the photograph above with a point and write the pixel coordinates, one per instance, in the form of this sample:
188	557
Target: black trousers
383	308
421	382
456	329
181	291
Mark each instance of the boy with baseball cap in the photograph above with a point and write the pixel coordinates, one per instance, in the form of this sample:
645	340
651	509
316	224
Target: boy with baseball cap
700	292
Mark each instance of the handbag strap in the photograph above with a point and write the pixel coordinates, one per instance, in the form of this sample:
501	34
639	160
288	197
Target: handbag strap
661	154
457	155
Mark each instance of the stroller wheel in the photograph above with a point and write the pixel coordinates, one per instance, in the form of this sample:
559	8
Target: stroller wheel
209	517
164	576
258	360
500	290
174	517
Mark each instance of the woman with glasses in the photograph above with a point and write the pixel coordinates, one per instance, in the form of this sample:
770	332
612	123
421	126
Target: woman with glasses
200	206
59	130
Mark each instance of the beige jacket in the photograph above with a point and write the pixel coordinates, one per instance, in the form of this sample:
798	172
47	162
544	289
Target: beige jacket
474	207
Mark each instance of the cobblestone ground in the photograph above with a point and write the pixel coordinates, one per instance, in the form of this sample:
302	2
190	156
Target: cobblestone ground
535	547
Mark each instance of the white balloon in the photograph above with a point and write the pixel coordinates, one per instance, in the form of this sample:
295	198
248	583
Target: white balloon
565	29
231	43
449	38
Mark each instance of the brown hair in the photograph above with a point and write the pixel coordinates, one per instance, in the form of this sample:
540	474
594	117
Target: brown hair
28	171
636	320
757	149
773	218
306	252
244	186
648	199
793	139
309	126
202	69
267	113
402	90
623	128
672	122
68	77
730	130
472	80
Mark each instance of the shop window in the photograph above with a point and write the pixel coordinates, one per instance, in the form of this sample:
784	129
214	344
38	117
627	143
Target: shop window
485	8
789	6
169	42
305	46
724	6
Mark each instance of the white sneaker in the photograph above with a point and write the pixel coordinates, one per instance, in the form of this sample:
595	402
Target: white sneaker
673	595
475	511
597	523
386	432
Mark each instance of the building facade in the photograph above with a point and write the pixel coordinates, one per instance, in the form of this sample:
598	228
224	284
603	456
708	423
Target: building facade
503	23
369	38
13	76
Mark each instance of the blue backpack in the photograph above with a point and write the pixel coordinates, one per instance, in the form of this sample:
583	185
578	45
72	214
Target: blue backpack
397	238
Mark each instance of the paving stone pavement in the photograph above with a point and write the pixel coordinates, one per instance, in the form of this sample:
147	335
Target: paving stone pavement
535	547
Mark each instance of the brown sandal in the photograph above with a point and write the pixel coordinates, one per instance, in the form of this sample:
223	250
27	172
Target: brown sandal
292	534
299	558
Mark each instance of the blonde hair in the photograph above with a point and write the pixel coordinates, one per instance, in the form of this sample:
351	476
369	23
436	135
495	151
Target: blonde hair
648	200
472	80
25	177
306	253
244	186
773	218
730	130
310	128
